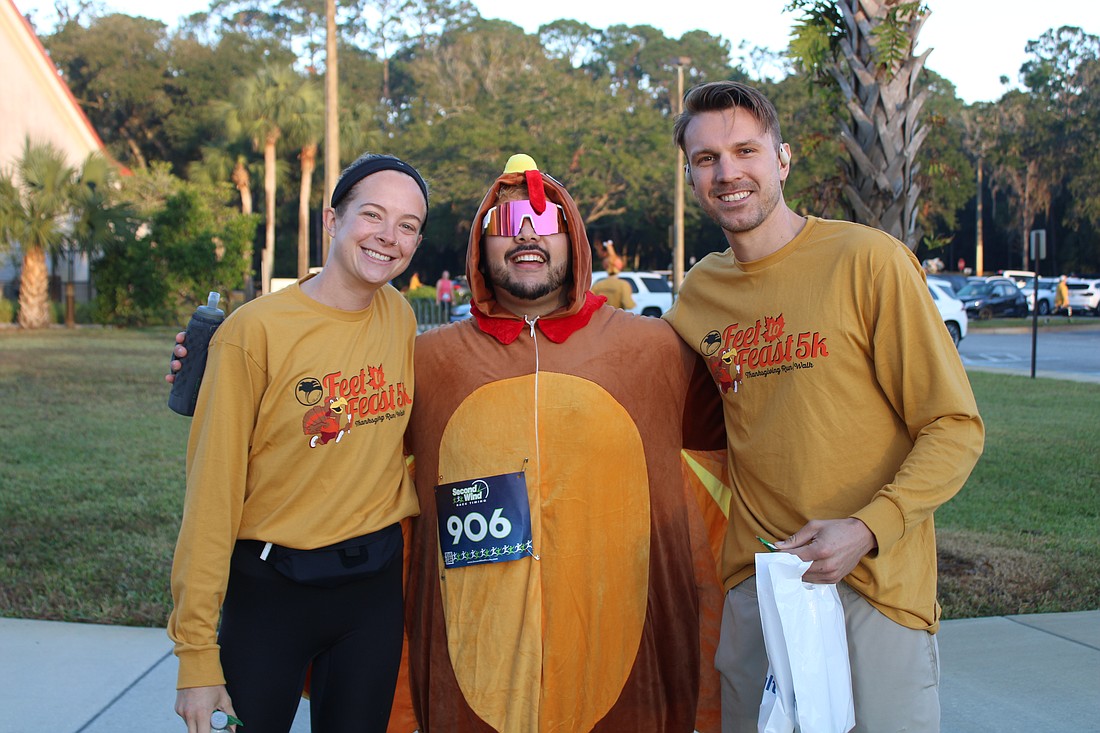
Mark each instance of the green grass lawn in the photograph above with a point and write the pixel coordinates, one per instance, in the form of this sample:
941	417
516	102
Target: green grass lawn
92	475
1024	533
91	486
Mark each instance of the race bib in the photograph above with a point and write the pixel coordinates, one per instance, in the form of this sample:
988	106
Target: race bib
484	520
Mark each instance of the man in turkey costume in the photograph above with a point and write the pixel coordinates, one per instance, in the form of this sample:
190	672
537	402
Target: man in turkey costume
562	570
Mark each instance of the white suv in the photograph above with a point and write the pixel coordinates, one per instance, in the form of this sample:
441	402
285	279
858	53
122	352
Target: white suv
1046	295
1084	294
951	309
652	292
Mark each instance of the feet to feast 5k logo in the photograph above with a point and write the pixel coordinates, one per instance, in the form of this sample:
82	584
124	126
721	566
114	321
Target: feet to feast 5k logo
337	402
762	349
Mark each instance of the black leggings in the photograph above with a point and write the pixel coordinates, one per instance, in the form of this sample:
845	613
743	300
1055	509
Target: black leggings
273	628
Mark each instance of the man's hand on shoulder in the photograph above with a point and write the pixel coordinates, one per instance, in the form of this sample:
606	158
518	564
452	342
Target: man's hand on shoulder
835	546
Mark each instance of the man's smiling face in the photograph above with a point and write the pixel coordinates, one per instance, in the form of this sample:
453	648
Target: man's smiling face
736	172
528	270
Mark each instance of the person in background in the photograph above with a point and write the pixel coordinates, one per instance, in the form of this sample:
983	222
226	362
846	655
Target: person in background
296	482
615	289
849	417
445	293
1061	297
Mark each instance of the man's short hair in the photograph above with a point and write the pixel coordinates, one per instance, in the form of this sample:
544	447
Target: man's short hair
512	192
718	96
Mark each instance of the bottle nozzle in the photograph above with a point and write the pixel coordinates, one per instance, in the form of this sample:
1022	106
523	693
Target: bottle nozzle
220	721
213	298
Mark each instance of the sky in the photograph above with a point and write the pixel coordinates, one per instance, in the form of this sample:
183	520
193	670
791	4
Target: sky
973	43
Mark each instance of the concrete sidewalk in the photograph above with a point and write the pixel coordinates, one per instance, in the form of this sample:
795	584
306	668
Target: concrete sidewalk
1030	674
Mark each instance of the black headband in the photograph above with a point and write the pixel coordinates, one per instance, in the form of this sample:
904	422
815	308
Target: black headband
369	166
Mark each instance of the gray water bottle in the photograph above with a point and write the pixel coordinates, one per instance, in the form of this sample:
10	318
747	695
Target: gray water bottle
220	722
200	329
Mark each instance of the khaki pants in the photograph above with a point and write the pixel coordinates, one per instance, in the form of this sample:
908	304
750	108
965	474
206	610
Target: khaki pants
895	670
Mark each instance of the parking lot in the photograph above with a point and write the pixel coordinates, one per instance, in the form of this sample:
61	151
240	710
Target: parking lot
1070	353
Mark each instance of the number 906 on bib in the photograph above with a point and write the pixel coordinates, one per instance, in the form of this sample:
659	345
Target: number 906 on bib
484	520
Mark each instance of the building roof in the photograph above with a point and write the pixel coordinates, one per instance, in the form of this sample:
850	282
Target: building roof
35	100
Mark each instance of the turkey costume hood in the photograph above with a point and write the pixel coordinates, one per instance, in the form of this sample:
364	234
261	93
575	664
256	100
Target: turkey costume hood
543	190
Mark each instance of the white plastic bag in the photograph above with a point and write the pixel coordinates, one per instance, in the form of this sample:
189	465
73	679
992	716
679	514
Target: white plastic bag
809	682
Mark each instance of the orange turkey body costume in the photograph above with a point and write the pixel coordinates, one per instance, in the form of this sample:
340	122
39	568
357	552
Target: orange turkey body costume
613	626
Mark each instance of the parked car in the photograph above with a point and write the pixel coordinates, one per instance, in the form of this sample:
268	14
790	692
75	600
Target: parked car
1084	294
951	309
461	290
460	312
1046	295
955	281
994	296
1022	278
652	291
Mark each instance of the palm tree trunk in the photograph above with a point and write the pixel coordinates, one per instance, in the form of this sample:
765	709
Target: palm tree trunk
1025	219
34	285
267	263
386	79
979	244
308	158
332	122
243	181
881	130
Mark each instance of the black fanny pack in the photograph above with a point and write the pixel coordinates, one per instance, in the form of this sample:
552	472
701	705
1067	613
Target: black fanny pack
343	562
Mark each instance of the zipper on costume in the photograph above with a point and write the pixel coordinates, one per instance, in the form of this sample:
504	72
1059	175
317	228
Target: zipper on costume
534	339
